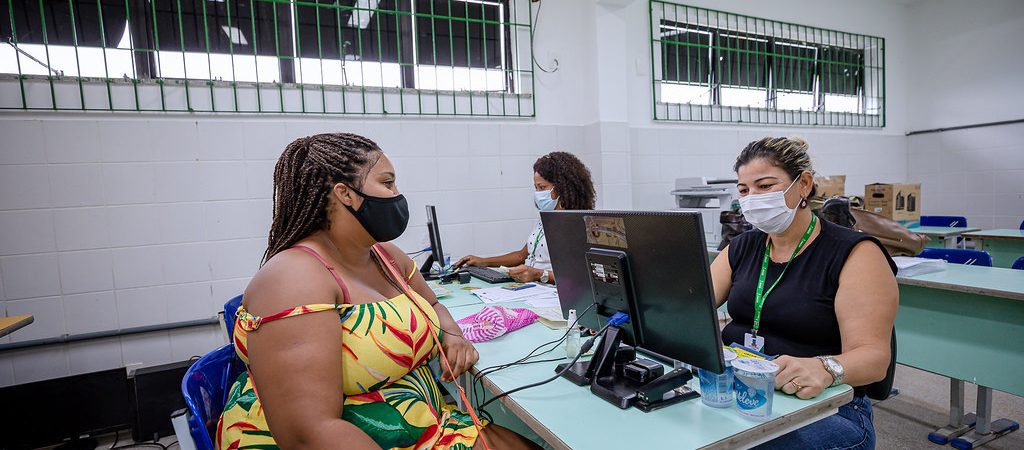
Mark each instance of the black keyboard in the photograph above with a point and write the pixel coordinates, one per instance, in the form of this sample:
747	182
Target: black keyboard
489	275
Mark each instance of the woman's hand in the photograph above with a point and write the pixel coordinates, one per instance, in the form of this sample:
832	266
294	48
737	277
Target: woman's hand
470	260
525	274
804	377
461	355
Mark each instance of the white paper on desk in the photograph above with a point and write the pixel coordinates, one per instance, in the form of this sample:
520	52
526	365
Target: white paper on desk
908	266
547	301
501	295
551	317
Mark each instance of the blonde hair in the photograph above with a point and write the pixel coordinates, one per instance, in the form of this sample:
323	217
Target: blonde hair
787	153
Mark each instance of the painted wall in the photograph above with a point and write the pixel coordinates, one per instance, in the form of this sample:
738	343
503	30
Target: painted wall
121	220
663	151
976	172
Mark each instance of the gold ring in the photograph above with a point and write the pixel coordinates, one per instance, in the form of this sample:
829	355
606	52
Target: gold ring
798	386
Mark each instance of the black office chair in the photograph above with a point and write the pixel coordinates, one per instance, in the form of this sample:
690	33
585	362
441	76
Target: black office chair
881	390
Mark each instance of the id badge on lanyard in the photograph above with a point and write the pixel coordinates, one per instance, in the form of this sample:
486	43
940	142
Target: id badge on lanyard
753	342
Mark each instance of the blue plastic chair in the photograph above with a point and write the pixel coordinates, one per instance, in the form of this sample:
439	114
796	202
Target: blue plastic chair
1018	264
943	221
959	256
230	311
205	387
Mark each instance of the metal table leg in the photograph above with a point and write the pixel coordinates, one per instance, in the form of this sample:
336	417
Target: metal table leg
959	423
985	430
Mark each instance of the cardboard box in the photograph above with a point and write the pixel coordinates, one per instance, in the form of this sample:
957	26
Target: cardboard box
831	186
897	201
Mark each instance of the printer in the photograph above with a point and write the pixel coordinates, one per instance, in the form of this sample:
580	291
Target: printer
709	198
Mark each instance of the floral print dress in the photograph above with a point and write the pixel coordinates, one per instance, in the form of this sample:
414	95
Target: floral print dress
390	392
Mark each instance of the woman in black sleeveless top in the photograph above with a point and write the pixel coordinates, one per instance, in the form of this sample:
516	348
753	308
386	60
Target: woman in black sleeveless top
829	294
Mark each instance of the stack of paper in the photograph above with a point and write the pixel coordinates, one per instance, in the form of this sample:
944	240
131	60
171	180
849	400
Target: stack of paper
909	266
501	295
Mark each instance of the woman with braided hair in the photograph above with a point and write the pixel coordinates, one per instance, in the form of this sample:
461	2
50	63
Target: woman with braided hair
560	181
348	367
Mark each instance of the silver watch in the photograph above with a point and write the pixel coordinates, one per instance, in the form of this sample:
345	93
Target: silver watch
834	368
544	277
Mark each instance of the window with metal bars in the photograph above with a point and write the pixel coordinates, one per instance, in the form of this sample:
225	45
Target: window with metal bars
721	67
457	48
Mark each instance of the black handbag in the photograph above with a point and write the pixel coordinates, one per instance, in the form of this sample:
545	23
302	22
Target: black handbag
837	211
733	224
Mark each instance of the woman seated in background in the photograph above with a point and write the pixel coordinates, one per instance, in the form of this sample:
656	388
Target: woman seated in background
822	296
336	326
560	181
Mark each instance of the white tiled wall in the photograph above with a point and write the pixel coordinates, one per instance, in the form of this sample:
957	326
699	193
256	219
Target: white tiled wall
976	173
660	155
116	222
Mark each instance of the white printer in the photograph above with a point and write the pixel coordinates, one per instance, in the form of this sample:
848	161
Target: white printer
709	198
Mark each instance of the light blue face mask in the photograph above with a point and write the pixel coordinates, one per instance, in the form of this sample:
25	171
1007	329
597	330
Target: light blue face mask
544	201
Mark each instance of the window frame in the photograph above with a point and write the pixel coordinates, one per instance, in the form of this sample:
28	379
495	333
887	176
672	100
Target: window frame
775	35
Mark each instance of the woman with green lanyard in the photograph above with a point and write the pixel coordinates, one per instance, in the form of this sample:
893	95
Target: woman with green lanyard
560	181
820	296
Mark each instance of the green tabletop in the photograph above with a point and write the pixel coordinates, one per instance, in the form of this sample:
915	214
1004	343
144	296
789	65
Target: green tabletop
942	231
1005	234
964	323
1005	246
988	281
942	237
569	416
460	295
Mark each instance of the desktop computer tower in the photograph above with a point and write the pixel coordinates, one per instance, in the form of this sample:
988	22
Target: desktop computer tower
156	393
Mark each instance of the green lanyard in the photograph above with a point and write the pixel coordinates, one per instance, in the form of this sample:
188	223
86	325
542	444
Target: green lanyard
536	242
761	293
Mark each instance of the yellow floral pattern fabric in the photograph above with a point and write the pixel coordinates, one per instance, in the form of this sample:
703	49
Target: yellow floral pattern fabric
390	392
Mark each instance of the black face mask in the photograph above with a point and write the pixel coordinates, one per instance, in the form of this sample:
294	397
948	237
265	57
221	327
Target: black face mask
384	218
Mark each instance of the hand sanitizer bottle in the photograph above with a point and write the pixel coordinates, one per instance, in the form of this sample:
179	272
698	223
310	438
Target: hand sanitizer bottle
572	341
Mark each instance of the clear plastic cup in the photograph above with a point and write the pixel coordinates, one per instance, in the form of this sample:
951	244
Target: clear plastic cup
716	388
754	385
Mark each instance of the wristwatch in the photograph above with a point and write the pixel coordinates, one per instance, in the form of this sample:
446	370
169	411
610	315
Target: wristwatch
834	368
544	277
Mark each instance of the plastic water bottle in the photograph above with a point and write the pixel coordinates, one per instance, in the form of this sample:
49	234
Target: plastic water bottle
572	341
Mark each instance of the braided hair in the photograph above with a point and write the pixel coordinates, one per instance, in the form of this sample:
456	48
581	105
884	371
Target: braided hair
570	177
304	177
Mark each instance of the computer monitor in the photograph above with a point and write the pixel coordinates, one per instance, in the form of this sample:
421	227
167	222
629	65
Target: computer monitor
674	316
80	406
436	252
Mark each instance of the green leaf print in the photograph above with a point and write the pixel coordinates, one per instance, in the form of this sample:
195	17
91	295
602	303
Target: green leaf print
247	399
383	423
359	318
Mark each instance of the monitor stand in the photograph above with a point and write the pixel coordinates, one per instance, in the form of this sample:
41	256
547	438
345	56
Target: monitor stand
86	443
425	270
606	383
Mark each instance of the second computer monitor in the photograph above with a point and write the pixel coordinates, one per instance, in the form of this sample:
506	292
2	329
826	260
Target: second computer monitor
434	233
670	278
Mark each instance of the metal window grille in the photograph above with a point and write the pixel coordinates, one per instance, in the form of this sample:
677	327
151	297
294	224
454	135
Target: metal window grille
412	57
714	66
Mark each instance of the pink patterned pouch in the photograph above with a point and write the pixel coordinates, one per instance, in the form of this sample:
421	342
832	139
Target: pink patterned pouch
493	321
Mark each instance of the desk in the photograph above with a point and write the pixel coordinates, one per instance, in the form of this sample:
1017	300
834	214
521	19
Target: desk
949	322
569	416
9	324
956	323
1005	246
942	237
461	296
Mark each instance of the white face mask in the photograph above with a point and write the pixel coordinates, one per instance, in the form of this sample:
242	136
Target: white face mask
768	212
